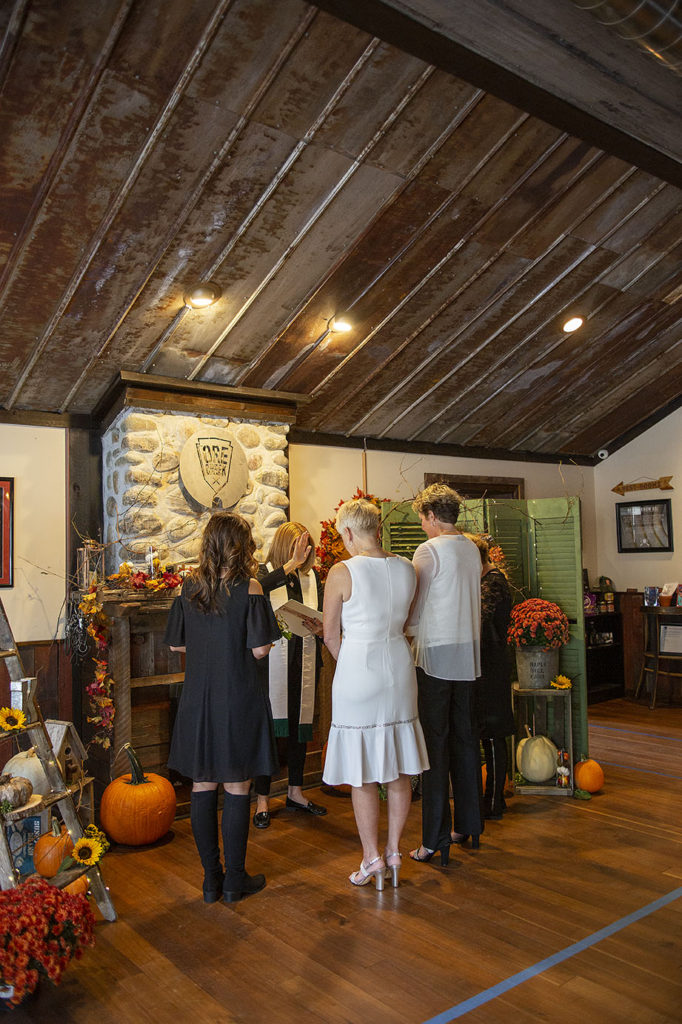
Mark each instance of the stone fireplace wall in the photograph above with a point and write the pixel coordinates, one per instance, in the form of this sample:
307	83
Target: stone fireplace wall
145	504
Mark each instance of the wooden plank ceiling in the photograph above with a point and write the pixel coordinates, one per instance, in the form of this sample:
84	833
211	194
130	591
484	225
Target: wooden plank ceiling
311	169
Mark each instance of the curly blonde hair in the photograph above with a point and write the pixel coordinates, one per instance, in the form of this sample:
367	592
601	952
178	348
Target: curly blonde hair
440	499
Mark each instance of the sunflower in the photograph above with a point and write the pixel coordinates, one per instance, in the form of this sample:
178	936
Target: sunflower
561	683
12	718
87	851
92	832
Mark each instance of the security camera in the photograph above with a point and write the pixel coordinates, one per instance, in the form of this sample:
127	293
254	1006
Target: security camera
603	453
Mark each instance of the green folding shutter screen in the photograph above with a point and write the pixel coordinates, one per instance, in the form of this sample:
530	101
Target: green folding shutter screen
401	528
557	568
509	525
472	516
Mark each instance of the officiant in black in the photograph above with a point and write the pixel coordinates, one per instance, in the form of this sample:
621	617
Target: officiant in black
292	669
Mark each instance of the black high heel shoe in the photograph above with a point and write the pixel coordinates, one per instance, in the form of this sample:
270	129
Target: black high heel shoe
443	850
458	839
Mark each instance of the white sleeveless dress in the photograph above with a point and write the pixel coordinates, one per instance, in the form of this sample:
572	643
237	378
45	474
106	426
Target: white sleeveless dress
375	733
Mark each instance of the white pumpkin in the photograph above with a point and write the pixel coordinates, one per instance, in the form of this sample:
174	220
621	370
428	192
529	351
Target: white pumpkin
537	758
27	764
14	790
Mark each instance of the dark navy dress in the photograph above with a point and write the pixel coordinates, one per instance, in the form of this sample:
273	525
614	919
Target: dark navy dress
223	730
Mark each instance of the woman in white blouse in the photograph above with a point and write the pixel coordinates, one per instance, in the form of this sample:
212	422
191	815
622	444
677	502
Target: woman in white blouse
445	621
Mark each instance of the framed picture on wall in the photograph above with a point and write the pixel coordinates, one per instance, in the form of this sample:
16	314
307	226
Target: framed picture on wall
644	525
6	531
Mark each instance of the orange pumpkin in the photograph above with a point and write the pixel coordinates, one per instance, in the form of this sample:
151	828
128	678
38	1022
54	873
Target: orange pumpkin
51	849
137	809
589	776
81	885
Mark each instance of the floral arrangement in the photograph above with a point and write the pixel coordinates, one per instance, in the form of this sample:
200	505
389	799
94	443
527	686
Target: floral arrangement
41	930
538	623
89	849
11	718
163	578
101	690
561	683
331	548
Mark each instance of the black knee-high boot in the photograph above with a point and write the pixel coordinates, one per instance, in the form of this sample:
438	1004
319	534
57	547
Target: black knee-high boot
235	828
204	819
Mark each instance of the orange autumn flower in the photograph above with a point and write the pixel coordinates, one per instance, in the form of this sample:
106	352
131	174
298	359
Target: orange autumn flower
538	623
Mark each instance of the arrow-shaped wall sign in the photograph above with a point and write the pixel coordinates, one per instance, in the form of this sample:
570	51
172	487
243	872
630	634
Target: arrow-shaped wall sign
662	484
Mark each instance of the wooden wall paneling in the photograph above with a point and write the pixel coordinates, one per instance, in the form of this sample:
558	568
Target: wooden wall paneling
577	365
382	243
460	393
630	607
84	520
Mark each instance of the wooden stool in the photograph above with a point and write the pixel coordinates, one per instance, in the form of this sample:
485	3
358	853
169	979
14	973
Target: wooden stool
654	618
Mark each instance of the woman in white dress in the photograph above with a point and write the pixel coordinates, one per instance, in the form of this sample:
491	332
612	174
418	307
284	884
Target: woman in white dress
375	735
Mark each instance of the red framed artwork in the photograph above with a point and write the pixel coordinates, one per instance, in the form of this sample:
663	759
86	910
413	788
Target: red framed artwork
6	531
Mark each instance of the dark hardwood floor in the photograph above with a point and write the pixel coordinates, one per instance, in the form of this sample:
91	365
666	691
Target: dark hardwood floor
311	949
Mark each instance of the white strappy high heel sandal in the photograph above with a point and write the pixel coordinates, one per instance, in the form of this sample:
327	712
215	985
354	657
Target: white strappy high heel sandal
393	869
363	875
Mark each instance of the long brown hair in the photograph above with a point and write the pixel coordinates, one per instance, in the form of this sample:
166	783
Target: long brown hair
227	550
282	546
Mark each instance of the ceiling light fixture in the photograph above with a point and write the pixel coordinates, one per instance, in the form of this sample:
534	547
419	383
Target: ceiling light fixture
573	324
340	326
203	294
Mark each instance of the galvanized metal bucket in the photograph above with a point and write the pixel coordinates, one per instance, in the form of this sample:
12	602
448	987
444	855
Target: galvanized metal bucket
536	667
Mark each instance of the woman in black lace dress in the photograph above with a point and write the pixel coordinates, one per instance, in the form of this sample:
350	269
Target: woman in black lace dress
494	692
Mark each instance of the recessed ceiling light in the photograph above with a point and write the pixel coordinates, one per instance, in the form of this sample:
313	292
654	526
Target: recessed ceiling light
200	295
340	325
573	324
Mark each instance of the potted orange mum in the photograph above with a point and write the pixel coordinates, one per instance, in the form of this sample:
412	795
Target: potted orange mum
538	629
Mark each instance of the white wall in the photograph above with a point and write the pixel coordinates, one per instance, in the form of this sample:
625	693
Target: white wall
36	458
657	452
321	477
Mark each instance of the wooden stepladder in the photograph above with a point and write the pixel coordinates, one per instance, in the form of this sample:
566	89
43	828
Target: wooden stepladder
22	691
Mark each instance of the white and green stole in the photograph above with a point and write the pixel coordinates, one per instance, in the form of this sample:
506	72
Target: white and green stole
278	664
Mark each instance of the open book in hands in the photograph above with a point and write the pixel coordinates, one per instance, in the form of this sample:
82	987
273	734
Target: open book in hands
293	613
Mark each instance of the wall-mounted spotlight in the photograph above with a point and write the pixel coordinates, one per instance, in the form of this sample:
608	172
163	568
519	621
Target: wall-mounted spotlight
573	324
203	294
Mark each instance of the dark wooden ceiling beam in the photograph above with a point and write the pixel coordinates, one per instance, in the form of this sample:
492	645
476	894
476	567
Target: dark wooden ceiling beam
152	392
399	26
378	444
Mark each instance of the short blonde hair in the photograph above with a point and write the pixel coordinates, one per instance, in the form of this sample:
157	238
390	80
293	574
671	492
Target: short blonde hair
440	499
282	546
360	515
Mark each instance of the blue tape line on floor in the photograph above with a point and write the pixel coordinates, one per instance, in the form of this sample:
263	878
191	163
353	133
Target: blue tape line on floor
564	954
636	732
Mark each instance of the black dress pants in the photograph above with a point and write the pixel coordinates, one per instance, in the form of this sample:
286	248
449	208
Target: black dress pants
447	715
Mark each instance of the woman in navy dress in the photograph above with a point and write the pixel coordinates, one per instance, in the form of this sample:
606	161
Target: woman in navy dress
223	731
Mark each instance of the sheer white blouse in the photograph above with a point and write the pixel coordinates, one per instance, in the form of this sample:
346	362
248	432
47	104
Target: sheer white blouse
445	618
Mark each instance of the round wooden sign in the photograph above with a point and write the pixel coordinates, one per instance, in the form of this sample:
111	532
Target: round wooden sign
213	468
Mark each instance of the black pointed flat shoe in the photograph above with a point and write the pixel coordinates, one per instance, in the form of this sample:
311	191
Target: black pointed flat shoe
261	819
309	808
